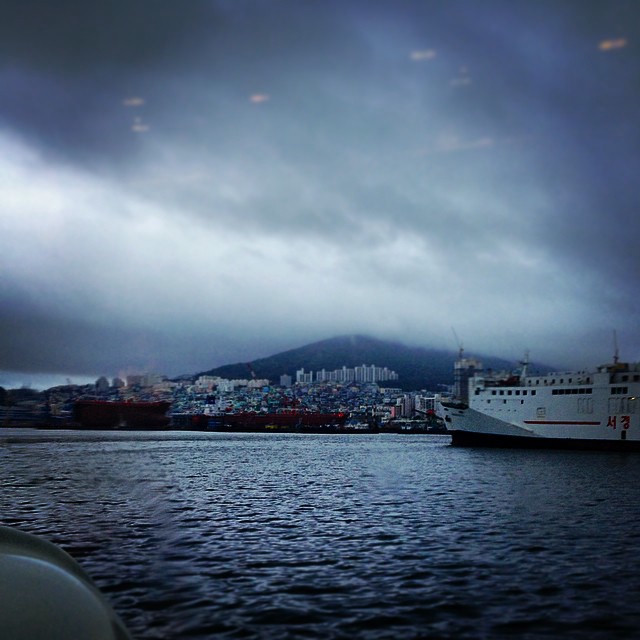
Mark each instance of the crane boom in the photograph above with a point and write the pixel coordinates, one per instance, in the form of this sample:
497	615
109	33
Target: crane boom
460	347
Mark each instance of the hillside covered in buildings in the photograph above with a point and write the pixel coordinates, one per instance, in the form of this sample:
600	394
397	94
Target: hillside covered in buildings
415	367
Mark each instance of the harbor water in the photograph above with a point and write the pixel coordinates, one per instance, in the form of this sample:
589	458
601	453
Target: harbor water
204	535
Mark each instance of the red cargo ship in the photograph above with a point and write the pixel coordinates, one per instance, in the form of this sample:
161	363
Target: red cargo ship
291	419
287	421
102	414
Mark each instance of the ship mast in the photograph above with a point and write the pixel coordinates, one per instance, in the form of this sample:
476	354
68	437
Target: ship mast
616	355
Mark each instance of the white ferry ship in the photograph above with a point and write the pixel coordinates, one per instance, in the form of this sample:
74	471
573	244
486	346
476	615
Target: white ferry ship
574	410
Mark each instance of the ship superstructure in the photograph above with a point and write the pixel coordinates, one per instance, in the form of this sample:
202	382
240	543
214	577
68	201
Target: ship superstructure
580	409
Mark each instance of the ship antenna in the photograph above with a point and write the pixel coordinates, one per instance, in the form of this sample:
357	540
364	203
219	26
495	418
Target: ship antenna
615	347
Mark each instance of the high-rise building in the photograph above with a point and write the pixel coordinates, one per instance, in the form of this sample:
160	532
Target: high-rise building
463	369
285	380
364	373
304	378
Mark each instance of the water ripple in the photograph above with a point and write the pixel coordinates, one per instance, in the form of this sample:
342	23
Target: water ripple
290	536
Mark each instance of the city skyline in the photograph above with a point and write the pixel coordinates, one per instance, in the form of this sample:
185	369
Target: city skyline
189	185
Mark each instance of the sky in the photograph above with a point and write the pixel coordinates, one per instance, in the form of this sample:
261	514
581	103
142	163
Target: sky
189	184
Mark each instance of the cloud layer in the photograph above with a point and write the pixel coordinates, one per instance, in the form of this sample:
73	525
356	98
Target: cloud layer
183	188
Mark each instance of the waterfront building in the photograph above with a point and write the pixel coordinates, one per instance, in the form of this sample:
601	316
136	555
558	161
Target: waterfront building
151	379
405	406
145	379
102	385
134	380
427	404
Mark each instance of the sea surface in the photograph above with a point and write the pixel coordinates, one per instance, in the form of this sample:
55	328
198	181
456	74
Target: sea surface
206	535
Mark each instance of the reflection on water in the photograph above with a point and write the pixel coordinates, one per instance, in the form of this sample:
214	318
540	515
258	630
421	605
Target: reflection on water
335	536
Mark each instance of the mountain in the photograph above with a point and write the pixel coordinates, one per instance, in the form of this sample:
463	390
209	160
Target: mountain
417	367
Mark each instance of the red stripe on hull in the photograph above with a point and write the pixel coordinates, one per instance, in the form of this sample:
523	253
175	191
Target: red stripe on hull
577	422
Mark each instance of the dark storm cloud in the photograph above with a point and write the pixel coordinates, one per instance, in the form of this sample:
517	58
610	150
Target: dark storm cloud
250	163
65	67
68	66
71	37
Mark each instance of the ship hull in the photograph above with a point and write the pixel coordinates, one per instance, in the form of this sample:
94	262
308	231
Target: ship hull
475	439
593	411
92	414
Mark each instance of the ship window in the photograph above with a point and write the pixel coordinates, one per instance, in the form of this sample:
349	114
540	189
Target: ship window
493	393
504	402
517	392
501	393
636	378
524	393
625	378
509	392
619	390
588	390
533	392
570	380
561	380
554	392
